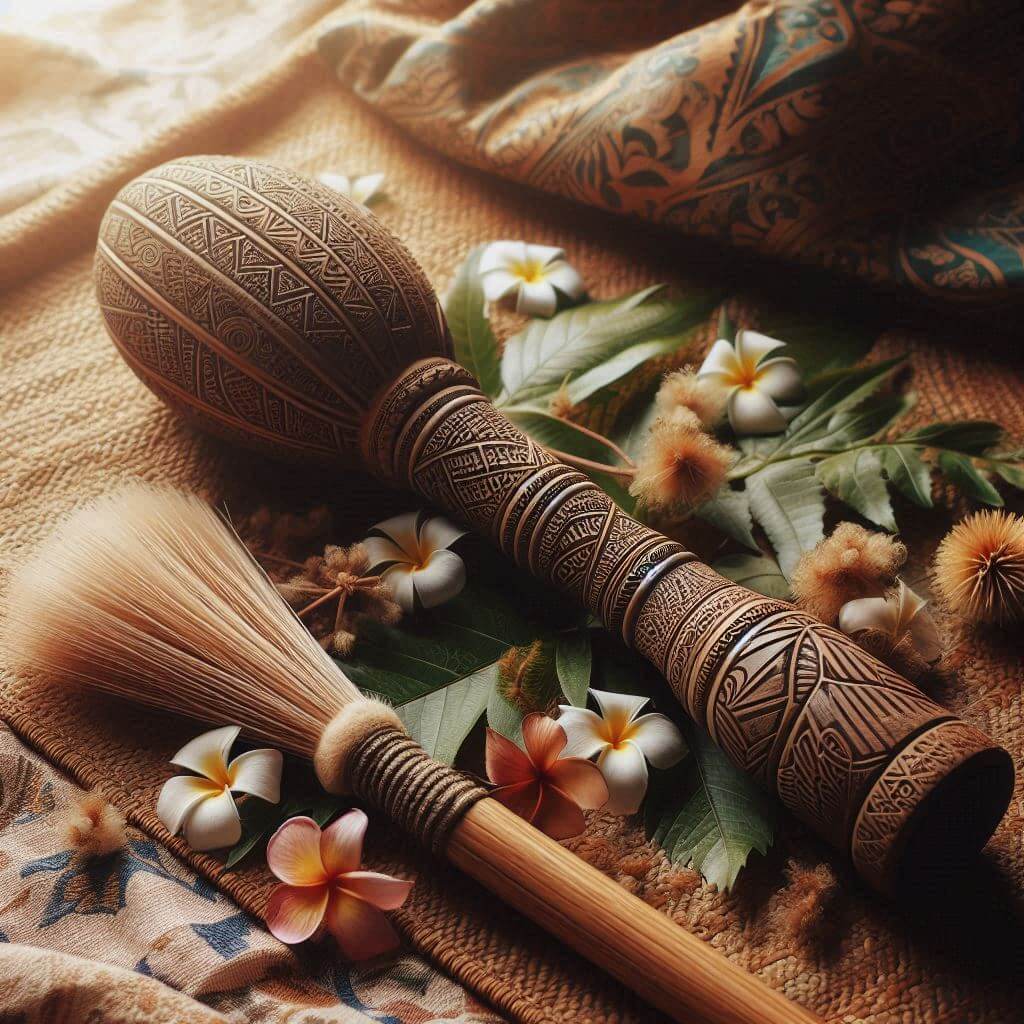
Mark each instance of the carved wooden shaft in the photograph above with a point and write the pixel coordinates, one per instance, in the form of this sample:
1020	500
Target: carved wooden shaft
849	746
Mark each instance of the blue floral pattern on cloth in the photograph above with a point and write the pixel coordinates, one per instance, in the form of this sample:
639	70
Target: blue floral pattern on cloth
141	909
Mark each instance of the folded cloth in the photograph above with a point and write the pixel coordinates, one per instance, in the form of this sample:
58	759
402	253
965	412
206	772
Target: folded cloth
878	139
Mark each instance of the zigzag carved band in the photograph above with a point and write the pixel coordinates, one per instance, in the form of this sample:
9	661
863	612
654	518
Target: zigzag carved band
796	704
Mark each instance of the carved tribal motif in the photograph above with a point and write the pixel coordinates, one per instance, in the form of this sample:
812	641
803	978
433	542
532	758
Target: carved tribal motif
798	705
276	313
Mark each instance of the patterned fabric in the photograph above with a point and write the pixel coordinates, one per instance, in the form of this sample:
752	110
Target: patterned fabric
159	937
878	138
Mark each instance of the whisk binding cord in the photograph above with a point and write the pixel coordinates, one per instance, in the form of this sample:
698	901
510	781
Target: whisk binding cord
365	751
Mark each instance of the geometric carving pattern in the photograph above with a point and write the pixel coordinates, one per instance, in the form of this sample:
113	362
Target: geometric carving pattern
275	311
268	306
798	705
903	785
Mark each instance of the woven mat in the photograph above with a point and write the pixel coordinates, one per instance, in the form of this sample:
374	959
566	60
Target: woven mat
74	421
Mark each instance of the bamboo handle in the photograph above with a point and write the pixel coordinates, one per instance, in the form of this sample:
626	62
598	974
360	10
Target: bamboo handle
663	963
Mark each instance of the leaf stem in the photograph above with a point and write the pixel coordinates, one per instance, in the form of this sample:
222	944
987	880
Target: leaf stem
623	472
607	441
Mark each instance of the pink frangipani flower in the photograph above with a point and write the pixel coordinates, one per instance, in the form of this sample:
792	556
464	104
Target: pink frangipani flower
324	888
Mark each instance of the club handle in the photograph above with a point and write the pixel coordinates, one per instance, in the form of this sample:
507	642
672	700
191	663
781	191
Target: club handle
663	963
856	751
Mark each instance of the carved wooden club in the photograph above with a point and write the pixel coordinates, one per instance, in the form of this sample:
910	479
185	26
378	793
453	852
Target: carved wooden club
281	315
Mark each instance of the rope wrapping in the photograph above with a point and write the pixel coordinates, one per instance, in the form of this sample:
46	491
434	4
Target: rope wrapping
396	775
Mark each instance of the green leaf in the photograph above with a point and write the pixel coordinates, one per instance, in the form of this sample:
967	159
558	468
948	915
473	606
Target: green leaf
726	328
259	819
848	392
964	474
729	511
538	360
593	381
707	814
633	439
907	472
505	718
434	649
847	426
441	721
476	348
856	478
758	572
973	437
789	503
573	663
1011	472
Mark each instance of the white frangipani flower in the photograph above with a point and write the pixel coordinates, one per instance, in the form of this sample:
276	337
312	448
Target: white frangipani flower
362	189
202	805
624	743
899	614
411	553
754	384
534	274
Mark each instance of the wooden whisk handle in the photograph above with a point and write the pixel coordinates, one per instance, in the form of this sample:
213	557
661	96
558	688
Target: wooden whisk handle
855	750
671	969
664	964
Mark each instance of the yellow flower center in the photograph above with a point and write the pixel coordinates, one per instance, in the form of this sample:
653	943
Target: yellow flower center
745	375
531	271
617	729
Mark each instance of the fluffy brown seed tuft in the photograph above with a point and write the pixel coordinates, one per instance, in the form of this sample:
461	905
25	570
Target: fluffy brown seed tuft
681	466
333	595
979	568
92	826
683	389
851	563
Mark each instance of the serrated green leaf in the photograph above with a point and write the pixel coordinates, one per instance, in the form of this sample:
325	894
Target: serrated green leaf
789	503
850	389
855	477
537	361
972	437
907	472
962	472
476	348
588	385
757	572
707	814
441	721
729	511
573	663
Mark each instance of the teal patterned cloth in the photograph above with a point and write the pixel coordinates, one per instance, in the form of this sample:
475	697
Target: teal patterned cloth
878	139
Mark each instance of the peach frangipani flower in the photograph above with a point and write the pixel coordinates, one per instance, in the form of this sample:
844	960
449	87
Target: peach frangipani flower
548	790
624	741
323	887
203	805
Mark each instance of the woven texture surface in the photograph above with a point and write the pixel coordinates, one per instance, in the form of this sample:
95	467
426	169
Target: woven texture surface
74	421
